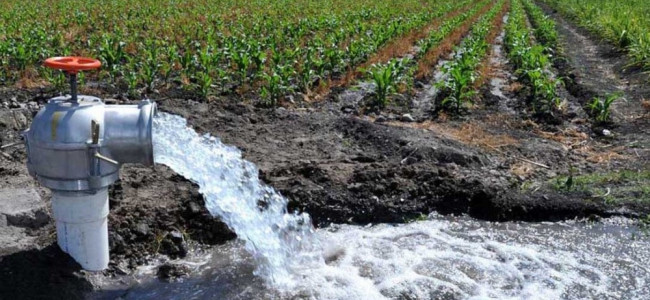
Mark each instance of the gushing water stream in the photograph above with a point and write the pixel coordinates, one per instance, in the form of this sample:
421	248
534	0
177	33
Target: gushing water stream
280	256
277	240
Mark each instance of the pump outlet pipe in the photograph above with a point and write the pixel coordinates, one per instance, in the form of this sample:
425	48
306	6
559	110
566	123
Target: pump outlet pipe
75	146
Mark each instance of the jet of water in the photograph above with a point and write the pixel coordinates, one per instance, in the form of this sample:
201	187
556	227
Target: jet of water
279	241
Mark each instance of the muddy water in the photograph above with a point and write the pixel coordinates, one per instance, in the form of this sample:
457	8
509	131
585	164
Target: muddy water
438	258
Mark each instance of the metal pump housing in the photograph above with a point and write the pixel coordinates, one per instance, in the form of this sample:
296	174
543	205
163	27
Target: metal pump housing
80	145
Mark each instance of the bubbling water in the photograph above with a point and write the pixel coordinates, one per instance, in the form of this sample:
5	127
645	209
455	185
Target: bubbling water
278	241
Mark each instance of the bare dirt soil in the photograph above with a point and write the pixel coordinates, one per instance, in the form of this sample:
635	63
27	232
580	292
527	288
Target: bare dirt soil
496	162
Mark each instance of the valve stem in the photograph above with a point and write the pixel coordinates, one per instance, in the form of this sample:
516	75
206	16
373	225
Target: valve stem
73	86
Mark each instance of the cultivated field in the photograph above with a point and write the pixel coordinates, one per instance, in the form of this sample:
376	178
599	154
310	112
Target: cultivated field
357	111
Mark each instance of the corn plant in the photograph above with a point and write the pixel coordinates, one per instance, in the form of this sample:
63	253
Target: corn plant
272	91
600	108
55	78
148	74
460	88
386	77
111	53
131	79
205	84
243	61
544	91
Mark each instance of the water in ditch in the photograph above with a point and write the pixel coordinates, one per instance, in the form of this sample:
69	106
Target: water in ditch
280	256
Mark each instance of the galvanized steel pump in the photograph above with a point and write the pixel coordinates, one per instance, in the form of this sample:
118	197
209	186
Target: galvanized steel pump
75	147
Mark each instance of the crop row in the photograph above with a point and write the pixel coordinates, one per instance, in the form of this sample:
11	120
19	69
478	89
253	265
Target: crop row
622	22
544	27
462	72
598	108
402	71
531	61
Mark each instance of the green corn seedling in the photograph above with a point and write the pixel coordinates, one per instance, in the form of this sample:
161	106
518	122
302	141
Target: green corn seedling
601	108
205	84
385	78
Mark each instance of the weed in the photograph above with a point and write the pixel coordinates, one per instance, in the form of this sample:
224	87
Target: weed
625	185
419	218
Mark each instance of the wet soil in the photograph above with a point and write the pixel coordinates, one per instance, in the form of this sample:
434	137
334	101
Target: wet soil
343	166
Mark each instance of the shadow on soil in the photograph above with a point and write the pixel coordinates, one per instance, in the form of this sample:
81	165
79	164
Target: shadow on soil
48	273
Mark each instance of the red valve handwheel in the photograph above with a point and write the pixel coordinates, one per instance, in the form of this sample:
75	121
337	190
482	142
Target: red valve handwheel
72	64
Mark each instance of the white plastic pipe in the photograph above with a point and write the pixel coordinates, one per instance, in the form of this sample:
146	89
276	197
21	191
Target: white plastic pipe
82	226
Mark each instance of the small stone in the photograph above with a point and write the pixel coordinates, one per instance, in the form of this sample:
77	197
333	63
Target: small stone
122	268
408	160
170	271
20	120
116	243
347	109
6	119
407	118
606	132
142	229
380	119
176	236
219	115
194	208
400	98
355	186
23	208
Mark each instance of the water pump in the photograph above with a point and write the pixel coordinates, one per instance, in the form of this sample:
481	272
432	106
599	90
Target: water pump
75	146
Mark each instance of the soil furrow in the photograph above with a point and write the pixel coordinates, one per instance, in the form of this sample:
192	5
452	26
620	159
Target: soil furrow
497	28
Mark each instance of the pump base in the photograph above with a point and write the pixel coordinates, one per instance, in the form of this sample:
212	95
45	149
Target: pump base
82	226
